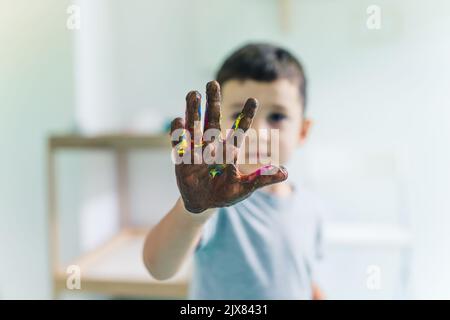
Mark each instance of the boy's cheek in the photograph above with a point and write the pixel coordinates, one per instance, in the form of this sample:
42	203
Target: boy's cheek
287	148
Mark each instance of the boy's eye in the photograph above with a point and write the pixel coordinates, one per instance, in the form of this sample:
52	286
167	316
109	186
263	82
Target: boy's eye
276	117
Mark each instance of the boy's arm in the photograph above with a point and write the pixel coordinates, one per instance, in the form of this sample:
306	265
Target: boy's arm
169	243
202	184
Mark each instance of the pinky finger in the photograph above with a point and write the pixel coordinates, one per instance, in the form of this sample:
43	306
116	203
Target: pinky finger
175	133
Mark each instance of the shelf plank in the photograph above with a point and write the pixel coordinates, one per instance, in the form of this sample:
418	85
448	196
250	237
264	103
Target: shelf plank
116	268
125	141
129	288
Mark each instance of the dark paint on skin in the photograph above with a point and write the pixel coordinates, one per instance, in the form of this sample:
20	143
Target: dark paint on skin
199	187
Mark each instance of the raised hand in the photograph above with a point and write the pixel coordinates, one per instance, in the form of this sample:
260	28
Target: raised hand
204	184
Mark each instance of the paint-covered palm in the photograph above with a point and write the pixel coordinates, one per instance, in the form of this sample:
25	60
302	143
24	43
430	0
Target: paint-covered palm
205	179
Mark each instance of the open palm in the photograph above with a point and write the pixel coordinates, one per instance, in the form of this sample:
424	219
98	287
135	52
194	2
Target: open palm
204	184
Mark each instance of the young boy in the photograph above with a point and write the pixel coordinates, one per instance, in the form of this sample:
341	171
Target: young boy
253	236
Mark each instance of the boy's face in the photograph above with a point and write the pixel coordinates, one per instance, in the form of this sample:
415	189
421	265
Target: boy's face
280	107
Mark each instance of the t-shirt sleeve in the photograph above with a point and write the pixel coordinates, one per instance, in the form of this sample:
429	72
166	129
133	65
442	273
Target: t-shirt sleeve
207	232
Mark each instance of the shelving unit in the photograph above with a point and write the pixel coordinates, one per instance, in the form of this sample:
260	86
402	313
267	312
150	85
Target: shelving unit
116	267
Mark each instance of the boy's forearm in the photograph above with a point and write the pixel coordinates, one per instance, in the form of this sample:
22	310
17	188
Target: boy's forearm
169	243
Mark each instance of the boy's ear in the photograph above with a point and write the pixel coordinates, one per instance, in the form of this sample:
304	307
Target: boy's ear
304	130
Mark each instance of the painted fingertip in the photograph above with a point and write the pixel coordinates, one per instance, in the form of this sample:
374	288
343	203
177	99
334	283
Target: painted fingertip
252	102
212	86
284	172
213	91
250	107
176	123
193	95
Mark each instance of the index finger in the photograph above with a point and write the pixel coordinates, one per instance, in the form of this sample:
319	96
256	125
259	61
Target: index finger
242	123
245	118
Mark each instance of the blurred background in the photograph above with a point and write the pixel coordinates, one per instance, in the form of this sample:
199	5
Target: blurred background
88	87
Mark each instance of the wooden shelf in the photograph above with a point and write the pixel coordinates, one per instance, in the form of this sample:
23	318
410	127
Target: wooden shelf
120	141
367	235
116	268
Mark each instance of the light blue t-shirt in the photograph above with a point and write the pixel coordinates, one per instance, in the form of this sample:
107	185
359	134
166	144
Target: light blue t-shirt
265	247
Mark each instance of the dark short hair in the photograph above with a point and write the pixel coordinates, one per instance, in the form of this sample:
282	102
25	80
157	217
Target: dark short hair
262	62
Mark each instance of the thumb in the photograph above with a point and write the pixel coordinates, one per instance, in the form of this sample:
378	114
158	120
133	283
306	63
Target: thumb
264	176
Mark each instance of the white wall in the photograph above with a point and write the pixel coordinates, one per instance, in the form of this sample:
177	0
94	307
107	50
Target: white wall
371	92
36	97
379	95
